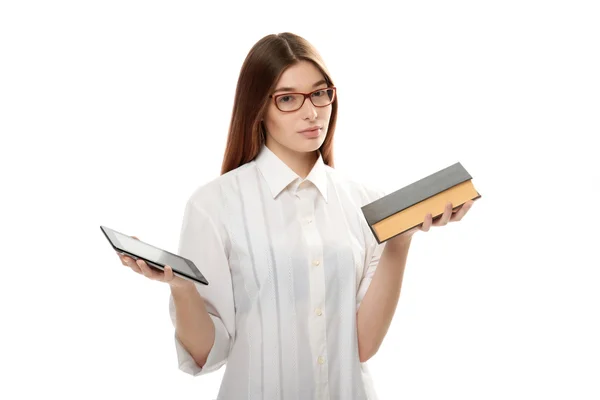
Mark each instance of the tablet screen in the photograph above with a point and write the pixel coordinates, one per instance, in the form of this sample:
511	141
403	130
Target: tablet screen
152	253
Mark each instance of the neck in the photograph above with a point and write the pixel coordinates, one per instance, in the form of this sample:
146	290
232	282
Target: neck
299	162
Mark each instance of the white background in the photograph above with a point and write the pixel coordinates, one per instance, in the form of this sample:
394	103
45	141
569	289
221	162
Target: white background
113	112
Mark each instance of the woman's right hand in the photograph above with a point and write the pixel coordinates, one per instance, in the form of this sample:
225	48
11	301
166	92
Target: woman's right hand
142	268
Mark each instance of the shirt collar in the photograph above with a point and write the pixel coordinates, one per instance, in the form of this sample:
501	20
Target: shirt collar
278	175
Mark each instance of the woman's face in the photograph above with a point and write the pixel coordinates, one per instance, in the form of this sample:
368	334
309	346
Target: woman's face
284	129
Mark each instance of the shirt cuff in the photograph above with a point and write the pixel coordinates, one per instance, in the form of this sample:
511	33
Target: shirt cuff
216	358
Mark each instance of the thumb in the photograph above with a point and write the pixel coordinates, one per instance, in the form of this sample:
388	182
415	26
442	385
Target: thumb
168	273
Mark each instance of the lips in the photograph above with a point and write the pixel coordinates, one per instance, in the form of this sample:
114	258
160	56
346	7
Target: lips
311	134
311	130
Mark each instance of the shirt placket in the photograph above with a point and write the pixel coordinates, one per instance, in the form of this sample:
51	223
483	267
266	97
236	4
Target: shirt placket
306	195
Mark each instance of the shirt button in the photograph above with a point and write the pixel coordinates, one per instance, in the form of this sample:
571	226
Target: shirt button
316	262
309	220
321	360
319	312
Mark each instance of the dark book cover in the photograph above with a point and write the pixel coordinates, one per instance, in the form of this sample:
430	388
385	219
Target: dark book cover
414	193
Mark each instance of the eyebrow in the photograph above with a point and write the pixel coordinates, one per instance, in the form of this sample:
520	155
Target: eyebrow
291	89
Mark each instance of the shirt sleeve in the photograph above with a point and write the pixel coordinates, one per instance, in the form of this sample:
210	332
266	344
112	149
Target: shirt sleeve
201	242
373	251
373	255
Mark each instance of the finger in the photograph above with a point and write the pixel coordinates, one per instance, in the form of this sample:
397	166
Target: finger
144	271
147	271
124	259
135	237
463	210
168	277
427	223
130	262
457	209
446	215
121	259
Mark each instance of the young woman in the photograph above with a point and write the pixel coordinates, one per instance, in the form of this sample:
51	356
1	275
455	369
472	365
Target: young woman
300	294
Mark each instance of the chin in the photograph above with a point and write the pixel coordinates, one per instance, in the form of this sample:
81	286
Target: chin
300	144
307	145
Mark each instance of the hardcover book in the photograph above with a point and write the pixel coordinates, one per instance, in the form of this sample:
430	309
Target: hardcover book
407	207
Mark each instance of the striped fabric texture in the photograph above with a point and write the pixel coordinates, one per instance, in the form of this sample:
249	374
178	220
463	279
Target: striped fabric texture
288	262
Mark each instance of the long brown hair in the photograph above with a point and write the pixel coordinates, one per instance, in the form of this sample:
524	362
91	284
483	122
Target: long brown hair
262	68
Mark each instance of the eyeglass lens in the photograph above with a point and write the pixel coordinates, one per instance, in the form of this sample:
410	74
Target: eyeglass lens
292	102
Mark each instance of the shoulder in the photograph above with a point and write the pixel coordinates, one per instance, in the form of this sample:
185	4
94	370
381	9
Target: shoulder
361	192
208	197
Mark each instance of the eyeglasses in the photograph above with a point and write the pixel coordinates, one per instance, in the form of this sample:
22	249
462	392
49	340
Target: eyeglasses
288	102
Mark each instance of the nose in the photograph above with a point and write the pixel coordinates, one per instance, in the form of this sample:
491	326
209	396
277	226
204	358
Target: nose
309	110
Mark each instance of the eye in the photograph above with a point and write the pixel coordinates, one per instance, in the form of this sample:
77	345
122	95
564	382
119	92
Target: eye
287	99
319	93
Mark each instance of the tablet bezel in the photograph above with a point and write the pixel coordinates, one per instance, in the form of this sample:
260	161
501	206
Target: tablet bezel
152	263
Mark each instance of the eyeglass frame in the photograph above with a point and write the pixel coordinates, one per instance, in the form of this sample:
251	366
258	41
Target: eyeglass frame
306	95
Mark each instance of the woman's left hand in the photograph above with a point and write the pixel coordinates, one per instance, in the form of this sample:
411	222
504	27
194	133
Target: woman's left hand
449	215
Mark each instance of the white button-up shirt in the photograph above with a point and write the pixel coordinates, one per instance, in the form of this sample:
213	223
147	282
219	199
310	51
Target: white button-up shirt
288	263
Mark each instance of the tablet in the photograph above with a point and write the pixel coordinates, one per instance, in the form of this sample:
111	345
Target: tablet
154	257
